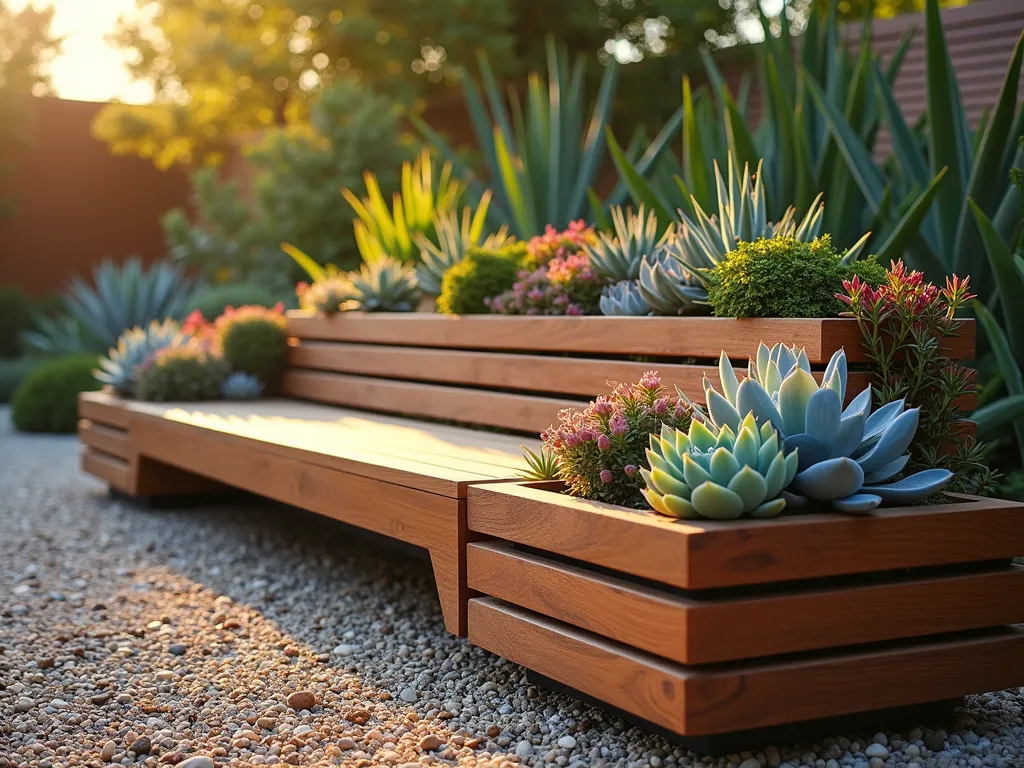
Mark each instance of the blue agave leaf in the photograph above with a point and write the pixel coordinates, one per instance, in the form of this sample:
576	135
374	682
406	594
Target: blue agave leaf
812	450
837	365
880	420
794	395
884	473
830	479
763	355
851	432
721	411
914	488
727	376
858	503
751	397
860	404
794	500
824	412
893	442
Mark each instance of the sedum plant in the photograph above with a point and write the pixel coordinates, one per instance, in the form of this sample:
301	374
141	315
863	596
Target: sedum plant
738	472
600	450
185	373
846	456
567	285
481	275
241	386
381	231
454	239
624	298
118	370
618	257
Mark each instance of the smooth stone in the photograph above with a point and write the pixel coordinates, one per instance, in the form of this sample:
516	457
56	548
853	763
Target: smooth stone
408	694
876	750
302	700
344	649
751	762
346	743
141	745
430	743
880	738
567	742
108	751
23	705
524	749
199	761
177	649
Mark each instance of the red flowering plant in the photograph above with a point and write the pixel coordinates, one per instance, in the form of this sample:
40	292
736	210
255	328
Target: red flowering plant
558	279
599	450
904	323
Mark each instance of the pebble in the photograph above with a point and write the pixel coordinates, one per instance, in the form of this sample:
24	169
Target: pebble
108	751
346	743
876	750
199	761
302	700
344	649
430	743
567	742
751	762
524	749
23	705
409	694
141	745
178	649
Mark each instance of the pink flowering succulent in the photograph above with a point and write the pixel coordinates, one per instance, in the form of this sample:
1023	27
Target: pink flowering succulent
601	448
542	249
905	324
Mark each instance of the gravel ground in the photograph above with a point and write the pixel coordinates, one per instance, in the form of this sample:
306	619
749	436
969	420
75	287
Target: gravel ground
244	635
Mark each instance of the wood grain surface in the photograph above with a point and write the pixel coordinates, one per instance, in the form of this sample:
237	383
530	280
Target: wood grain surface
702	337
709	554
707	629
110	440
113	470
705	700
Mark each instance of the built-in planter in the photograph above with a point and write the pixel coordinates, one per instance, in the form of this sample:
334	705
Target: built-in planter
516	372
714	627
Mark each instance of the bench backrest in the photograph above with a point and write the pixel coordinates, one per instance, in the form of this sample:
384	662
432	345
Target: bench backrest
516	372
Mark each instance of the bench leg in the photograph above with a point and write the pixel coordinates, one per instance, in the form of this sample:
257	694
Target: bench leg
448	558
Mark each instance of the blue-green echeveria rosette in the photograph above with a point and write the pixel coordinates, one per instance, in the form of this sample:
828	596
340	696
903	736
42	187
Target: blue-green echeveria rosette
726	475
846	455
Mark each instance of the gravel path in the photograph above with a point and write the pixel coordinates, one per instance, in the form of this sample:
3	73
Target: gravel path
245	635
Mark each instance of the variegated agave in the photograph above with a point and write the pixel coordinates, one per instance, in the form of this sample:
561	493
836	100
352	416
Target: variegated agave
846	456
117	370
624	298
738	472
704	240
636	235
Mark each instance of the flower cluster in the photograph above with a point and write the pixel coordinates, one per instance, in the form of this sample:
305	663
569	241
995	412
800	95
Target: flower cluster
566	286
601	449
542	249
904	324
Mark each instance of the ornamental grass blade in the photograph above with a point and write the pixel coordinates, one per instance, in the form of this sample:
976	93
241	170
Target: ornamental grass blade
988	163
741	142
994	416
516	192
695	158
644	165
555	171
639	189
593	144
1008	365
308	265
779	104
906	230
1009	281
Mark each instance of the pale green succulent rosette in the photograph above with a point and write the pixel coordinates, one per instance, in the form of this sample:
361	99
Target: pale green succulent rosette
624	298
846	455
724	476
117	369
636	235
386	285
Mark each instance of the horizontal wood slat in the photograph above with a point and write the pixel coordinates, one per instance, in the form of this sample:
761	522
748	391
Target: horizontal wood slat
526	413
746	695
709	554
708	629
113	469
111	440
101	408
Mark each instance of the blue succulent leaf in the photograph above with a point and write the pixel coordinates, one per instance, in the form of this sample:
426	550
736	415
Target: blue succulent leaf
879	420
824	412
812	450
830	479
721	411
848	439
881	474
893	442
752	398
918	486
858	503
836	367
860	404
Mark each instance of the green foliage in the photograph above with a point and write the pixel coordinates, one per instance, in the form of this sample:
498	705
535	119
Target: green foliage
254	340
479	276
14	371
454	238
123	296
15	316
385	285
212	301
600	450
784	277
119	368
1017	174
183	374
47	399
540	465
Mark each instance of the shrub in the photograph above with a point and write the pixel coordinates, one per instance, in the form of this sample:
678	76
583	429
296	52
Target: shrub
14	371
47	400
541	249
601	449
15	317
566	286
212	301
253	340
783	277
181	373
479	276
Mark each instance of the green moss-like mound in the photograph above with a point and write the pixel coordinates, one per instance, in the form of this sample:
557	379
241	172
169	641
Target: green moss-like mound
47	400
480	275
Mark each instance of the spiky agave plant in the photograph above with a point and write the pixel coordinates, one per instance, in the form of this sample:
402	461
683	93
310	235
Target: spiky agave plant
624	298
541	465
704	240
386	285
618	257
454	238
846	456
736	472
119	368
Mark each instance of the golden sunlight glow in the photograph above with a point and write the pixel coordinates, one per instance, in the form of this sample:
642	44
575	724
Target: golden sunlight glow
89	68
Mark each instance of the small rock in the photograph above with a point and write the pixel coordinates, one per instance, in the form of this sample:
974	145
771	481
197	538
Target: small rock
108	751
178	649
430	743
23	705
291	651
19	610
302	730
59	704
101	698
567	742
751	762
199	761
302	700
346	743
408	694
936	742
911	750
880	738
473	743
833	763
771	754
358	716
493	731
46	663
266	722
344	649
141	745
524	749
876	750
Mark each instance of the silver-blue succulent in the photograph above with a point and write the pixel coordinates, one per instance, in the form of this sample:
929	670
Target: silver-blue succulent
117	369
241	386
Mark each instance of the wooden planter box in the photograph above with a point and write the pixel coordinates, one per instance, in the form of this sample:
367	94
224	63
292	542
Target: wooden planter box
517	372
714	627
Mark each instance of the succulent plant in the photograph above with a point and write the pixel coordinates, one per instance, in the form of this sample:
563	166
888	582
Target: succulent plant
704	240
541	465
618	258
454	239
669	287
846	456
327	294
184	373
253	340
118	369
386	285
735	473
624	298
241	386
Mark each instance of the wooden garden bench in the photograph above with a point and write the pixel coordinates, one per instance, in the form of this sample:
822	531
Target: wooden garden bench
701	629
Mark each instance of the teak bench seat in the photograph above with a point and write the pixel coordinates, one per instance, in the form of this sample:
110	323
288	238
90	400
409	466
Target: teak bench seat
700	629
